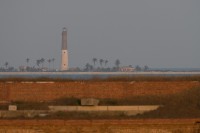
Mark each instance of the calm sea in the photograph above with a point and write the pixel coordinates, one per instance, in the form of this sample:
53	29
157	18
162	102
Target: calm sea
89	75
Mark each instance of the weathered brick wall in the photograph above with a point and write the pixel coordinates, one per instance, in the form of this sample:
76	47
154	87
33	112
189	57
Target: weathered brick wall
117	90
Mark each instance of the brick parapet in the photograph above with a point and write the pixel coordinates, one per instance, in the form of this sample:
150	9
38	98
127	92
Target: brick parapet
115	90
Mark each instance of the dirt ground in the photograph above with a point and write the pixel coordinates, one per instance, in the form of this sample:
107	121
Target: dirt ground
101	126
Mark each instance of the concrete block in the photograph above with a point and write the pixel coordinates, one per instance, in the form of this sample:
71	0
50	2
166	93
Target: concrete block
12	107
89	102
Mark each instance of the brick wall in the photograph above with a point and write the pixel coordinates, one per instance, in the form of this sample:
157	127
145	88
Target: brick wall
117	90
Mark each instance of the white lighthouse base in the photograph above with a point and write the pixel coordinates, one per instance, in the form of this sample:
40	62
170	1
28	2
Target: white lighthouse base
64	60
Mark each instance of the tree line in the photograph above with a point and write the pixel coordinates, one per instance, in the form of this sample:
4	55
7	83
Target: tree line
39	63
101	65
98	65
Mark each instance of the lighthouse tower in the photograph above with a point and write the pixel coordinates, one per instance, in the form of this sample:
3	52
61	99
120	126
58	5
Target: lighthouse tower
64	52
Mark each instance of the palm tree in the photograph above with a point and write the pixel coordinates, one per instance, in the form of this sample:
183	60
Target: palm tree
106	61
6	64
53	62
138	68
27	61
42	61
38	62
49	61
94	61
146	68
101	61
87	66
117	63
91	67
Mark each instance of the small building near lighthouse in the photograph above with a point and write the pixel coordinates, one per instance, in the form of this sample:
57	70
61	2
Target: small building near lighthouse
127	69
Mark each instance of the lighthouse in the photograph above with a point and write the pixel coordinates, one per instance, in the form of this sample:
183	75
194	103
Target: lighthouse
64	52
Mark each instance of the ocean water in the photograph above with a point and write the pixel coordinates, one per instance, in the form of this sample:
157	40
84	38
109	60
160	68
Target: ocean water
89	75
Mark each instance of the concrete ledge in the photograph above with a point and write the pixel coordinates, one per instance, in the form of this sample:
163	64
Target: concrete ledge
148	108
123	108
116	110
105	108
92	108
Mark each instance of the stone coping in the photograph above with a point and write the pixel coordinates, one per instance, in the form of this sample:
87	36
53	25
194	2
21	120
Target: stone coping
105	108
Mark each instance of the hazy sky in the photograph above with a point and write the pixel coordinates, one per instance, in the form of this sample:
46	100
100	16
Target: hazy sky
157	33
